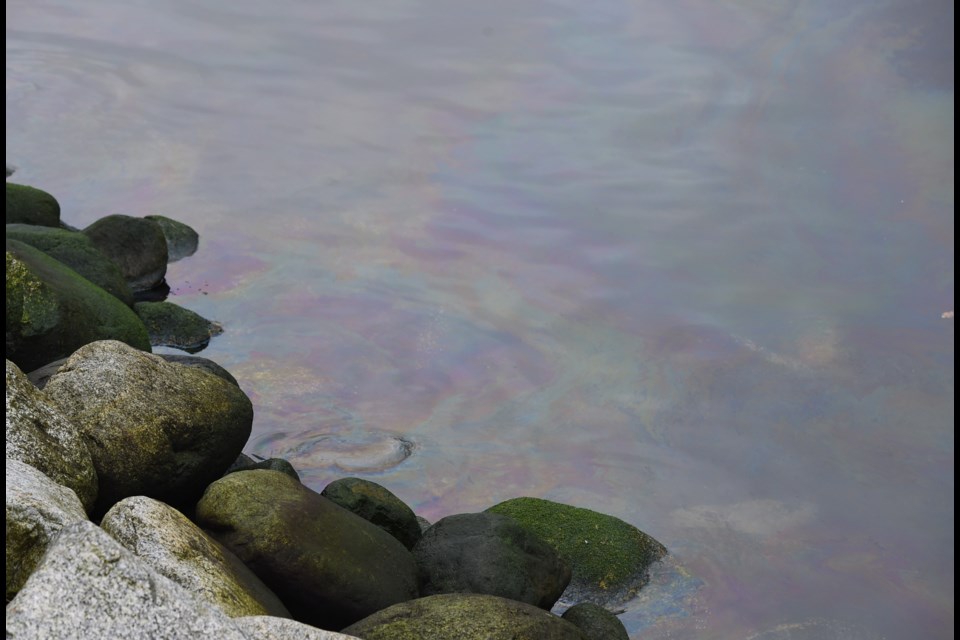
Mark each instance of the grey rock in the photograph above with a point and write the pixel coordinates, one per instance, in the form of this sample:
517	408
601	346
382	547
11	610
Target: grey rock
269	628
464	616
39	377
182	240
329	566
51	310
37	509
375	503
490	554
175	547
137	245
89	586
153	428
246	463
39	434
596	622
75	250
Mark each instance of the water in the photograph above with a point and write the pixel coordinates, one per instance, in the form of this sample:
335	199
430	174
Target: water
680	262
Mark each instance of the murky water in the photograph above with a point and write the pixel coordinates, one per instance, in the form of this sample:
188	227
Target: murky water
682	262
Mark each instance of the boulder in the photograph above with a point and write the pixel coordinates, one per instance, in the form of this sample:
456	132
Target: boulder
40	435
464	616
182	240
491	554
202	363
31	206
90	586
246	463
609	557
175	547
270	628
75	250
37	509
375	503
52	310
152	427
170	325
596	622
329	566
137	245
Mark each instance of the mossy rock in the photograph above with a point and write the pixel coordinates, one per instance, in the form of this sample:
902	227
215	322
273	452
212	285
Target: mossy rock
31	206
170	325
377	504
75	250
52	310
609	557
596	622
182	240
137	245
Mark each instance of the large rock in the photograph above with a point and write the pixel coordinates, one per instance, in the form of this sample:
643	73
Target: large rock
609	557
37	509
246	463
41	376
152	427
596	622
52	310
269	628
182	240
40	435
75	250
137	245
464	616
89	586
329	566
175	547
170	325
491	554
375	503
31	206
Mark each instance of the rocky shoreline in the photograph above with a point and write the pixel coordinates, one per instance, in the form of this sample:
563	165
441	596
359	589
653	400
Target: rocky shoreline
133	513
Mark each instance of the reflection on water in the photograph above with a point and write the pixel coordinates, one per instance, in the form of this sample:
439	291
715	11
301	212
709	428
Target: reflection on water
686	263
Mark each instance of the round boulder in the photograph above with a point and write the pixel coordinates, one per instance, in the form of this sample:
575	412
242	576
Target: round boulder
596	622
137	245
492	554
182	240
329	566
153	428
31	206
375	503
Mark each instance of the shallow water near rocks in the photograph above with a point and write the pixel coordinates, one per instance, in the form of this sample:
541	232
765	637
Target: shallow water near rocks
685	263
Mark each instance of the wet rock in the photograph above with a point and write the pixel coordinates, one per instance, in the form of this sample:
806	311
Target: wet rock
153	428
90	586
246	463
375	503
609	558
175	547
37	509
39	434
31	206
182	240
464	616
269	628
329	566
596	622
491	554
51	310
137	245
201	363
170	325
75	250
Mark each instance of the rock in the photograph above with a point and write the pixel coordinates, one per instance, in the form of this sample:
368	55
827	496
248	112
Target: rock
490	554
37	509
153	428
329	566
39	377
246	463
137	245
375	503
52	310
182	241
31	206
201	363
464	616
170	325
40	435
75	250
89	586
609	557
175	547
596	622
269	628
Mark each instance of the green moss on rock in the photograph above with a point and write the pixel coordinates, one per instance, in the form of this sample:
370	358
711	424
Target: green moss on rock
609	557
170	325
31	206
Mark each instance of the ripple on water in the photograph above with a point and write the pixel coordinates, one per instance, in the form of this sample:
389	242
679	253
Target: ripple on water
353	450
